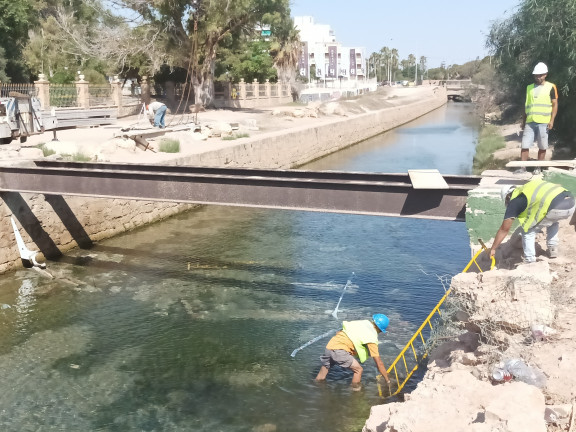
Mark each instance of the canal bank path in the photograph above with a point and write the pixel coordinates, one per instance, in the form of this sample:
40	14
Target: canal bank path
218	129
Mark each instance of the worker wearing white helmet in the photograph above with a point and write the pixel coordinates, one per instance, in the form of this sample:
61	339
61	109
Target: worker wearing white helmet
538	204
541	107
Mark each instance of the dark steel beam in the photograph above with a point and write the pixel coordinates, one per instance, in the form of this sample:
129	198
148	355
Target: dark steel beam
326	191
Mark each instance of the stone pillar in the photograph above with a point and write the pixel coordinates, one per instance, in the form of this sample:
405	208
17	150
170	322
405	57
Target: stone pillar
268	87
256	86
242	85
117	94
43	91
145	87
228	91
83	92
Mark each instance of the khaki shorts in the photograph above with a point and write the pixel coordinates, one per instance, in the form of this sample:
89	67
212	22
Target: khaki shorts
336	357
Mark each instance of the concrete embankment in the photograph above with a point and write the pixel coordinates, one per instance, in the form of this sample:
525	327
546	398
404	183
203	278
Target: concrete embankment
518	318
53	225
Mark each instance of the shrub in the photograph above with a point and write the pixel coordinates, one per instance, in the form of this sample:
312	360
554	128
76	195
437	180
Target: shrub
169	146
76	157
235	136
489	141
45	150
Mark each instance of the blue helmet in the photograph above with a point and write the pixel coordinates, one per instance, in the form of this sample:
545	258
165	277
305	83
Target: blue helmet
381	321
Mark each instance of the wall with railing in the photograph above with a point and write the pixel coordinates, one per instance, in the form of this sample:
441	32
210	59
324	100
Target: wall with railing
251	95
128	101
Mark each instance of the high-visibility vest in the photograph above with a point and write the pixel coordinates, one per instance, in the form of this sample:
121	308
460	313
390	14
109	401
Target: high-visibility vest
361	333
539	194
539	107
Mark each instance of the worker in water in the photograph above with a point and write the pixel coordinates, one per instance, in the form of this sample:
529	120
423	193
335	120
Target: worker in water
537	204
356	338
541	107
157	110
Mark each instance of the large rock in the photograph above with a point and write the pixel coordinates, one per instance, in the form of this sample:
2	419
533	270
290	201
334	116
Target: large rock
457	401
510	299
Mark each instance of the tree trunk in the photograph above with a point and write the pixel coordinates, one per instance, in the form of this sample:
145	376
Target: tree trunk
204	83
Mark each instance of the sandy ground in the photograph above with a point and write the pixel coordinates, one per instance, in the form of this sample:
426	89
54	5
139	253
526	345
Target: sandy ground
105	143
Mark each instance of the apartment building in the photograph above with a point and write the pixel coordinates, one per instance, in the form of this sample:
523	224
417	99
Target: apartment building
325	57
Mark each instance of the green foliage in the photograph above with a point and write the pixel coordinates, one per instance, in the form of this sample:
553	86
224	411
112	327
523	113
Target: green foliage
94	77
45	150
539	31
76	157
489	141
15	20
62	77
235	136
250	60
169	146
3	63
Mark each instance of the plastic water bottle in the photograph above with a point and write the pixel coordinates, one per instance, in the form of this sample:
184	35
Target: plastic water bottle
522	372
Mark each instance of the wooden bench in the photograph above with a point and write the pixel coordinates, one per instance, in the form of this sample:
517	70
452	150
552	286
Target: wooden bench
565	164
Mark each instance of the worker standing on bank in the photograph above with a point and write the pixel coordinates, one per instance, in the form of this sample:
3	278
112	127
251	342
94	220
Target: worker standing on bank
356	338
537	204
157	110
541	107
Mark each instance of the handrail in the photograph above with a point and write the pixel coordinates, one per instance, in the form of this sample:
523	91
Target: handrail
410	344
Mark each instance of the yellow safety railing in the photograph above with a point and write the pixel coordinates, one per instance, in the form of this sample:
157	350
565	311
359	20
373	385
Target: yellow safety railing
418	358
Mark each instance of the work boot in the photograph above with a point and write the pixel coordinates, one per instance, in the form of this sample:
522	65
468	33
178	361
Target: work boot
553	251
528	261
536	171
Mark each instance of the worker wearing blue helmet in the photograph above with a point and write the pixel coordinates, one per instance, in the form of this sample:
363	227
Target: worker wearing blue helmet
357	338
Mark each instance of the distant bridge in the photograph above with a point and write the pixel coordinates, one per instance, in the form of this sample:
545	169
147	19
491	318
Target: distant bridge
458	90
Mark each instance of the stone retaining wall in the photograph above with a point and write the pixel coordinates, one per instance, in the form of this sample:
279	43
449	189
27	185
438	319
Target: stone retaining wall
56	224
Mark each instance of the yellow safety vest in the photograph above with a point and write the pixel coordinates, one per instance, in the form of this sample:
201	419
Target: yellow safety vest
539	107
539	194
361	333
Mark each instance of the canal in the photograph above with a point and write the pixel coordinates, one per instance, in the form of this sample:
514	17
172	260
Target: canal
188	324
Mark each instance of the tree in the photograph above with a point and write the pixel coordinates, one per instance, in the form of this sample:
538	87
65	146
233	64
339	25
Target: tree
251	61
540	30
75	35
423	66
15	20
286	48
194	31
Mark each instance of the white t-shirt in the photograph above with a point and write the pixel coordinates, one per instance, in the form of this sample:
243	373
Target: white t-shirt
153	107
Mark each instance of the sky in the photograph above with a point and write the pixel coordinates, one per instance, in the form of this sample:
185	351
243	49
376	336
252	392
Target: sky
447	31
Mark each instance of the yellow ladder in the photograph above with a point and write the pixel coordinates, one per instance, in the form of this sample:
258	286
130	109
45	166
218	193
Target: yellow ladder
399	383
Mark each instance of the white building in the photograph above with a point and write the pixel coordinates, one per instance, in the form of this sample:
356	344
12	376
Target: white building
323	53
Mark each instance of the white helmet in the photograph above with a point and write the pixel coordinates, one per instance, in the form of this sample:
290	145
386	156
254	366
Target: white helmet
540	69
506	190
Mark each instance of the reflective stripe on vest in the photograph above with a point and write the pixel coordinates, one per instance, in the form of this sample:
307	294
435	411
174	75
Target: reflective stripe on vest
539	107
539	194
361	333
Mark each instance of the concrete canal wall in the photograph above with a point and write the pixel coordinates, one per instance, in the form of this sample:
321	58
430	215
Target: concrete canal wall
55	224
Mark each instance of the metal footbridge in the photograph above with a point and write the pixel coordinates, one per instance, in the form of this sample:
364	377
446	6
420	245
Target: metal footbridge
418	194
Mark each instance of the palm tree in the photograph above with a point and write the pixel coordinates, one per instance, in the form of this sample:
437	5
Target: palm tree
286	52
395	56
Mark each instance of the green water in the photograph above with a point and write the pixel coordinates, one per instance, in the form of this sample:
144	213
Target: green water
188	325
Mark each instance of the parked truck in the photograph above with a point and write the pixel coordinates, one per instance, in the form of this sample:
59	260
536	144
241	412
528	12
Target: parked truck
21	116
